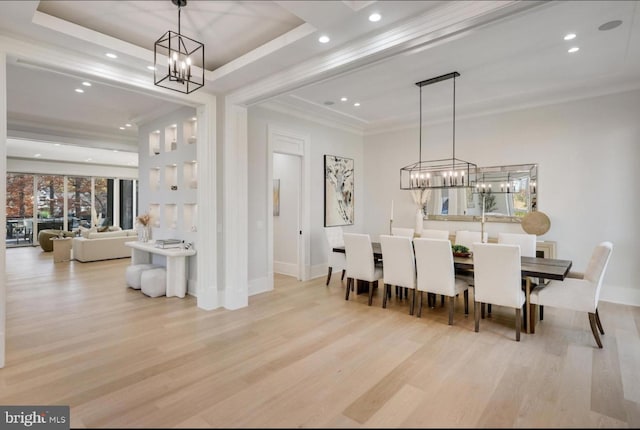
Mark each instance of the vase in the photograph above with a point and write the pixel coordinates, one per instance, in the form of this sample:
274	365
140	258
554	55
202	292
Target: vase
419	222
145	233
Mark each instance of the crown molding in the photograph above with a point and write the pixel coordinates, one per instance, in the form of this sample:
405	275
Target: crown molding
317	117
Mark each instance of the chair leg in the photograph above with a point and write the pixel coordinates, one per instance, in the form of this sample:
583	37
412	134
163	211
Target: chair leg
384	299
451	304
592	322
349	282
598	322
542	313
413	302
420	304
371	292
518	323
488	308
329	275
476	313
397	290
343	272
482	312
466	302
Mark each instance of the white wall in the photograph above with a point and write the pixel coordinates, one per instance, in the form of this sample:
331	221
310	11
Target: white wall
588	154
324	140
286	168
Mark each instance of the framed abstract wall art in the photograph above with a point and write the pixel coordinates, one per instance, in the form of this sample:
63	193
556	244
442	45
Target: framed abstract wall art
338	191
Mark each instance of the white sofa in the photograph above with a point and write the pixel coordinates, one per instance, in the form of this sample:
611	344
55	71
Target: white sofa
103	246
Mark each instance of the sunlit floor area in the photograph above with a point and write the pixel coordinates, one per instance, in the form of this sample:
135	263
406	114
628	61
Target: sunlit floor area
301	356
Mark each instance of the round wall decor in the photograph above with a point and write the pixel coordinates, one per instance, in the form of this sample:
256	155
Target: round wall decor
536	222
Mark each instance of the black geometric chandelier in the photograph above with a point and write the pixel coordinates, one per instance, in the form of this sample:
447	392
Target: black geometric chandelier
178	60
444	173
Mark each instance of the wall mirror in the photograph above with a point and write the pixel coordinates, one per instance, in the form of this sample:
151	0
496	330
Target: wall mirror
510	193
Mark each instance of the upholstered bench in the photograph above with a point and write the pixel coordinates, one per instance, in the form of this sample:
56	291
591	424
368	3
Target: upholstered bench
134	272
154	282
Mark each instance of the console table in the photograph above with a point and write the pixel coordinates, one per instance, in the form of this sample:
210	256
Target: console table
142	252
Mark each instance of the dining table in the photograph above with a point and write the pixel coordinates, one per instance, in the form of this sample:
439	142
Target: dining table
531	267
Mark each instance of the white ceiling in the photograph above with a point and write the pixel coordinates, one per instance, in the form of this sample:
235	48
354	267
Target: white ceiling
34	150
515	61
521	61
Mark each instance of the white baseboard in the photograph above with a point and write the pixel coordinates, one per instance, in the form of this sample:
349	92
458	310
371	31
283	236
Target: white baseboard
284	268
621	295
192	287
319	271
261	285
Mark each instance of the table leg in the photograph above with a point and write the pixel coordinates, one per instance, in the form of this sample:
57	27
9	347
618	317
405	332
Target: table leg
176	276
531	310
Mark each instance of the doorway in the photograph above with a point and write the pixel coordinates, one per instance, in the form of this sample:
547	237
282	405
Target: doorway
287	188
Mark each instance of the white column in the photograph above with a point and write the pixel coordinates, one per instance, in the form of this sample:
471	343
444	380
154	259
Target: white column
3	198
116	203
235	206
206	246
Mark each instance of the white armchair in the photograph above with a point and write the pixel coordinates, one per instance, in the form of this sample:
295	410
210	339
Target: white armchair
497	272
576	293
336	260
399	266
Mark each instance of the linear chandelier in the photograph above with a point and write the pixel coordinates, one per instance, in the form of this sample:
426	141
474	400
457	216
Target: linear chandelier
178	60
443	173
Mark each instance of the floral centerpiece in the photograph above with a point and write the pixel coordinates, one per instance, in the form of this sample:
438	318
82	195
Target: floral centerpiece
144	220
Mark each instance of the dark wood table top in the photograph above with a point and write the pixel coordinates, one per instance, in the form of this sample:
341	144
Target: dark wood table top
544	268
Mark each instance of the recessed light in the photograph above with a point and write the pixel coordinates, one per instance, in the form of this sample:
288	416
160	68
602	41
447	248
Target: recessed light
324	39
570	36
121	128
115	150
110	55
573	49
79	90
610	25
375	17
194	118
344	99
86	84
37	155
151	67
88	159
127	125
56	144
356	104
174	125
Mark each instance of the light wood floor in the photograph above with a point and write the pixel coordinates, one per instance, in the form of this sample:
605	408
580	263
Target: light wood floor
301	356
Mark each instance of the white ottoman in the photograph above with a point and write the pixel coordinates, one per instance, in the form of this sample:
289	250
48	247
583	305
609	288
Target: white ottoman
134	272
154	282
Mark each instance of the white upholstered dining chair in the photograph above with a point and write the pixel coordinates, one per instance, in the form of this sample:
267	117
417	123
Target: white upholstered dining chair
526	242
399	266
434	262
578	292
401	231
360	262
336	260
468	238
497	273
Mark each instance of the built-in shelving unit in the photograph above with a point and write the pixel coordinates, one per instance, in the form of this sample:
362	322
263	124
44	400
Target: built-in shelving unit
172	172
